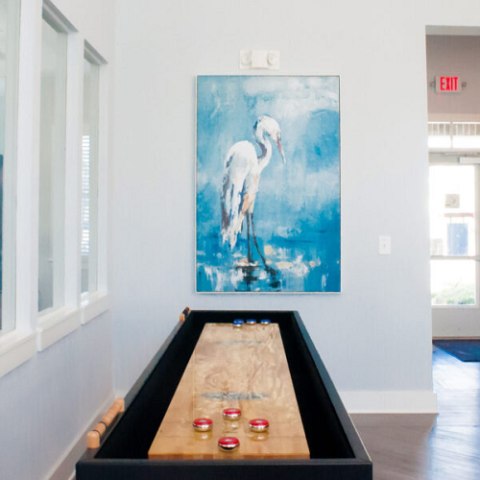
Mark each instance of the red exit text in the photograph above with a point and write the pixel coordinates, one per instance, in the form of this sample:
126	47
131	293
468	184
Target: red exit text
448	84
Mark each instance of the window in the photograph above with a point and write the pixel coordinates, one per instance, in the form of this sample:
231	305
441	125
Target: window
90	153
43	227
51	255
453	234
9	34
446	136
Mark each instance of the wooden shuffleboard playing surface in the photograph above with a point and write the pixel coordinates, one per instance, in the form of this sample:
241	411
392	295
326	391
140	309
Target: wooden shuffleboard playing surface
244	368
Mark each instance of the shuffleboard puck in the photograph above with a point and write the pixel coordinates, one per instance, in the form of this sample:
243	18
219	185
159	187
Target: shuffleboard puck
202	424
238	323
232	413
265	321
228	444
258	425
251	321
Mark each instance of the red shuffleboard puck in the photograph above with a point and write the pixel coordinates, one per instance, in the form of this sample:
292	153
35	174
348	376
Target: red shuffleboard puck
202	424
258	425
232	413
228	444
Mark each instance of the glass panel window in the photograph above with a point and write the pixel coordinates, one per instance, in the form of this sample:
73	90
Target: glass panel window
52	168
466	135
439	135
453	234
90	176
452	210
453	282
453	135
9	36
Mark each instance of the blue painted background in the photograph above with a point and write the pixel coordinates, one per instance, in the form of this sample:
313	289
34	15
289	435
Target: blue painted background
297	209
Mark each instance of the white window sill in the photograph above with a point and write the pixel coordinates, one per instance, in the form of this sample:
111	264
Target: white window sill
15	348
56	324
93	305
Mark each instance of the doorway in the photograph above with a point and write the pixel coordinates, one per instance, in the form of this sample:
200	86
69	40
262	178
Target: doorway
454	226
454	156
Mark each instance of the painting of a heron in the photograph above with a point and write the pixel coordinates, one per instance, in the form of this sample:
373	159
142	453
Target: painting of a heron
268	184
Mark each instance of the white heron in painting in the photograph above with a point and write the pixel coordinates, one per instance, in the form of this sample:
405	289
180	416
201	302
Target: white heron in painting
243	168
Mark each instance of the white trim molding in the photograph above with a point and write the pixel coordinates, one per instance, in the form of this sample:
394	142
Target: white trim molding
53	325
92	55
55	17
15	348
103	220
402	401
56	324
93	306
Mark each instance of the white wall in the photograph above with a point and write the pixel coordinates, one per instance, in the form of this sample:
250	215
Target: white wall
47	403
376	336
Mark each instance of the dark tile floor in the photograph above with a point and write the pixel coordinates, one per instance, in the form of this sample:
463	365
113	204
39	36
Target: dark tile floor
425	447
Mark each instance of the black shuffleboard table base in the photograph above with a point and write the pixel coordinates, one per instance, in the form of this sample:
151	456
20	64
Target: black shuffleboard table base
336	450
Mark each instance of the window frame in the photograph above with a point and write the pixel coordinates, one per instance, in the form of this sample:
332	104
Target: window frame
59	282
445	159
35	332
55	323
91	55
18	345
9	220
94	303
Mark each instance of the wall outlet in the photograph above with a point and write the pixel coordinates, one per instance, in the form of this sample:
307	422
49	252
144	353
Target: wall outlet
384	245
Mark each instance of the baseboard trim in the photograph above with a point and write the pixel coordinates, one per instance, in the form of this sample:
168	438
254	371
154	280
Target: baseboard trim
65	467
415	401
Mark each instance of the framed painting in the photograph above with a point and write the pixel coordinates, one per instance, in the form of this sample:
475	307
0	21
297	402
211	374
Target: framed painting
268	184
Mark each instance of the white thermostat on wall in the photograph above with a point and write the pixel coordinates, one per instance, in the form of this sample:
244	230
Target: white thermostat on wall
452	200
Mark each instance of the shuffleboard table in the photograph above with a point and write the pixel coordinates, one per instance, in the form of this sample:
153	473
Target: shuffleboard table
268	370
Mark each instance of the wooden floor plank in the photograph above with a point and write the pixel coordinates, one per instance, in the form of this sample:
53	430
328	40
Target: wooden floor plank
234	367
425	447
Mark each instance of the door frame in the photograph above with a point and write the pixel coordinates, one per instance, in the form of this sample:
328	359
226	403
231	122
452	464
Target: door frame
459	321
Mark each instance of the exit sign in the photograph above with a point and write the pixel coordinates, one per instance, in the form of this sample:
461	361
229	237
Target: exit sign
448	84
